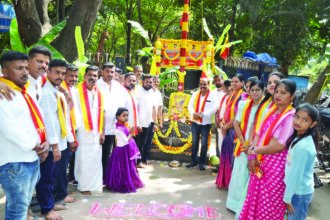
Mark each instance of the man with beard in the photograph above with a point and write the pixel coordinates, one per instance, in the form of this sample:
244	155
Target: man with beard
69	83
58	128
22	140
111	91
88	163
147	115
201	106
130	103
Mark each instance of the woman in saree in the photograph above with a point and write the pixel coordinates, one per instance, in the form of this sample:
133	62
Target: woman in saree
266	160
228	132
265	104
243	123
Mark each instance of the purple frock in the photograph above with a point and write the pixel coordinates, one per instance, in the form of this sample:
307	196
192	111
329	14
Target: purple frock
121	174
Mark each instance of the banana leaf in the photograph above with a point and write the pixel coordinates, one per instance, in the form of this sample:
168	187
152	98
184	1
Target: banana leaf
138	29
206	29
129	68
80	45
222	37
163	75
164	82
82	67
15	40
221	72
52	34
230	44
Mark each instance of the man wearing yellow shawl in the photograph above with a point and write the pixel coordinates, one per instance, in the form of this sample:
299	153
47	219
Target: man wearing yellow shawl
202	106
22	138
90	135
54	107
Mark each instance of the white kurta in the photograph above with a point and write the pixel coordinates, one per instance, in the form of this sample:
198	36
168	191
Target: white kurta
88	162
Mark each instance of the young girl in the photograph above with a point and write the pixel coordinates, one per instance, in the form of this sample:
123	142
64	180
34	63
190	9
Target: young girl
300	163
122	175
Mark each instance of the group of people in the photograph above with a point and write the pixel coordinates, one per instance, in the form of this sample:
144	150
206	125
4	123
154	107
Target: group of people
102	128
266	146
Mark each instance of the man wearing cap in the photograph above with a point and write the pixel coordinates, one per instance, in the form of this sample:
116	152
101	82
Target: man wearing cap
202	106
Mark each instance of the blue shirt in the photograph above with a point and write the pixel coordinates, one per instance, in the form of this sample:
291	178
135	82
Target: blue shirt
299	169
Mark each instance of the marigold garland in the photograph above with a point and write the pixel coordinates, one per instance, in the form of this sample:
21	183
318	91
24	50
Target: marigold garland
170	149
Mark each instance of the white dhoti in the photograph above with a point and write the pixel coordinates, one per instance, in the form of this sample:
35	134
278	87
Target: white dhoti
88	164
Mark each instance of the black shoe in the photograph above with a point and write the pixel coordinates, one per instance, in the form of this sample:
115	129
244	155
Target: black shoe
202	167
191	165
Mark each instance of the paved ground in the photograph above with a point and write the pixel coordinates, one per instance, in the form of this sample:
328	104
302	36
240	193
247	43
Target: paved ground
170	193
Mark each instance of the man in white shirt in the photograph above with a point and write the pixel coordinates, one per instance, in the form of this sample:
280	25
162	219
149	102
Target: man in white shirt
157	119
202	107
130	103
21	139
54	107
111	91
71	80
61	189
39	58
146	114
90	135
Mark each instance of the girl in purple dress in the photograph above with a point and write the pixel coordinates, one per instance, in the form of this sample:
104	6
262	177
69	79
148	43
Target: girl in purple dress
122	175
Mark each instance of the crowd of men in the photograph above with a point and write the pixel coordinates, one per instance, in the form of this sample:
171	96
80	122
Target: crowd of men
50	122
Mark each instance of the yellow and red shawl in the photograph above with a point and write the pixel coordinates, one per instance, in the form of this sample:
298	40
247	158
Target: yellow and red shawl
34	110
86	109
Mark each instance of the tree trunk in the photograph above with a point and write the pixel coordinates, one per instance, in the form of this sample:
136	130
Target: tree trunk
29	24
140	21
233	24
60	10
128	33
42	9
315	90
83	13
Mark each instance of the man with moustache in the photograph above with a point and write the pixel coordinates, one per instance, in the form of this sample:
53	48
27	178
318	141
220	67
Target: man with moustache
146	114
58	128
39	58
88	162
157	119
21	139
69	83
130	103
111	91
202	105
